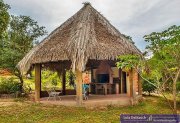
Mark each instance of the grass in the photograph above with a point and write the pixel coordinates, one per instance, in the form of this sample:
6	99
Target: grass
22	111
28	112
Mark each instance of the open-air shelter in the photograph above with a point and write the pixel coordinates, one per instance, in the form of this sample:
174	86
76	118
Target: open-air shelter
88	45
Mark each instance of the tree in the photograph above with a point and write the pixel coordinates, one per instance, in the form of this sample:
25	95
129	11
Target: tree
166	49
4	17
23	32
4	20
164	66
142	67
129	38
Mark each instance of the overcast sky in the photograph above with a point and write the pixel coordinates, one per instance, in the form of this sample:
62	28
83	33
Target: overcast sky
131	17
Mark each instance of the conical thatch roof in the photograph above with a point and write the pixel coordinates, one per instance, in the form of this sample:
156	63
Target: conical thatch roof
86	35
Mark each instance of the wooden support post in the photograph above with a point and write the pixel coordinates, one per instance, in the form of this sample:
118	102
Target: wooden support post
139	85
131	83
120	81
79	97
92	74
92	80
64	82
37	82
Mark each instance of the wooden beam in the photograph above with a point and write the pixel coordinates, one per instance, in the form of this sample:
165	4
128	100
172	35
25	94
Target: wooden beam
92	74
79	97
37	82
64	82
122	83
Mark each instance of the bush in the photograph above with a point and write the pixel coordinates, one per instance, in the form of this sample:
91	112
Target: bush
147	87
9	85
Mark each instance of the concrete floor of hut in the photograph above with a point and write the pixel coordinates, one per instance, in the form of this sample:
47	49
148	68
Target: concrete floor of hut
93	100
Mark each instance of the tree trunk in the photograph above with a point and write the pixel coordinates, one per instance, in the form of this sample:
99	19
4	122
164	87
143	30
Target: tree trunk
149	93
22	83
18	74
174	90
79	98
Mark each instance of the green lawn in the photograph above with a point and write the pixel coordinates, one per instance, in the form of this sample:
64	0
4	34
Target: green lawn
27	112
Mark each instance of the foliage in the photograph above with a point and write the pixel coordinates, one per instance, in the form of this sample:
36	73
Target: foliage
165	47
50	79
4	17
9	85
166	51
129	38
4	21
164	65
128	61
148	87
22	34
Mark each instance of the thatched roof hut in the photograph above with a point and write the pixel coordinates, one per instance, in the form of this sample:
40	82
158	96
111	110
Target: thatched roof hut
87	35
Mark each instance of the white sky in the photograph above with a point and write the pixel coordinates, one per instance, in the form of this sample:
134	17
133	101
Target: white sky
135	18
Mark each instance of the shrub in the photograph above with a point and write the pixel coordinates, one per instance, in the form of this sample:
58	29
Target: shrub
147	87
9	85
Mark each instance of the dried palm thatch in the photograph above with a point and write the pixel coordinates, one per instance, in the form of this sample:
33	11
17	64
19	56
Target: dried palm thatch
87	35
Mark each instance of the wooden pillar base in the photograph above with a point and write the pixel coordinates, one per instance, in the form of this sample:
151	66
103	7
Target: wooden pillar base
117	88
79	98
37	82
